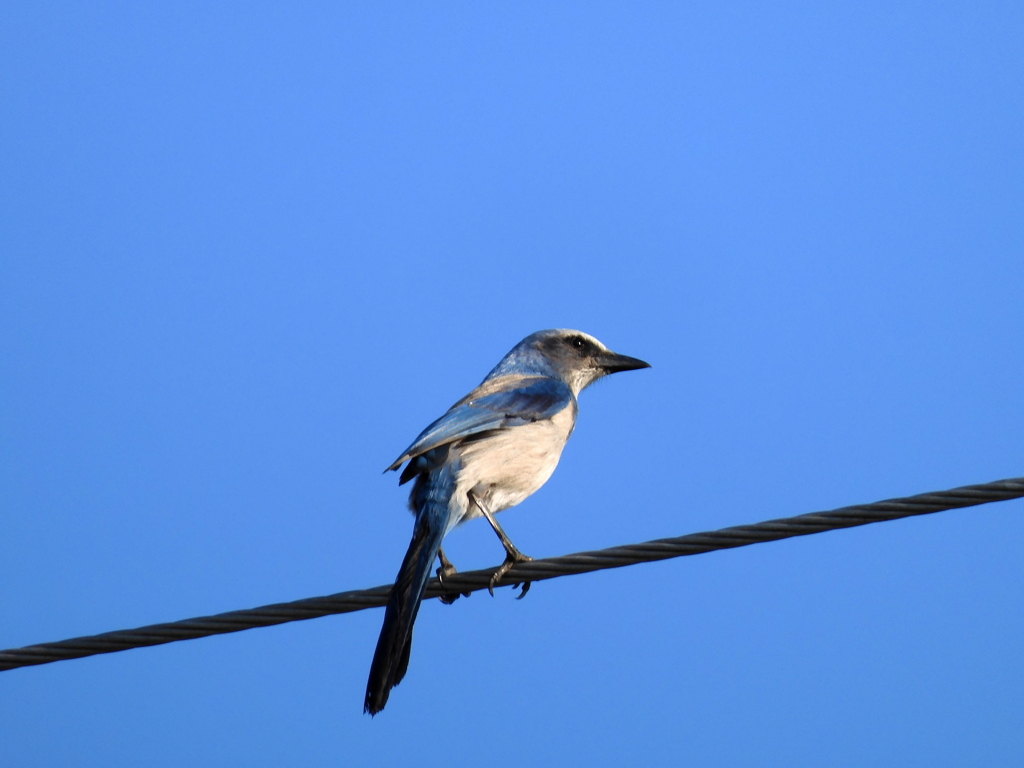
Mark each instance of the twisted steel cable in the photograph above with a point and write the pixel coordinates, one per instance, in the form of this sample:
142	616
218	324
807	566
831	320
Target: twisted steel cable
535	570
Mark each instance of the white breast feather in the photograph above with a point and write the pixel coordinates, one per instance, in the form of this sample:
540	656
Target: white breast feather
512	464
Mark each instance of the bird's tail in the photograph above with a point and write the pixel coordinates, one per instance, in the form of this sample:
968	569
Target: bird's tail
391	659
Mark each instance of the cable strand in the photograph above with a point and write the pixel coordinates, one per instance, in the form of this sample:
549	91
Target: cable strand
534	570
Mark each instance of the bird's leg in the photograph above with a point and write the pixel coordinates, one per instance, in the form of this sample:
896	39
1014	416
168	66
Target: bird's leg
447	569
512	553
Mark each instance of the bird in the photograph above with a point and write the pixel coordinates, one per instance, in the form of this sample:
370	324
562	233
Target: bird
490	451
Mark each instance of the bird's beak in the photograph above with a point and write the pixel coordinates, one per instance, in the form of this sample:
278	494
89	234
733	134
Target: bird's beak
610	362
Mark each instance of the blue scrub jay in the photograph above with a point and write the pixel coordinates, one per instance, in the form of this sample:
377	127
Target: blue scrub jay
491	450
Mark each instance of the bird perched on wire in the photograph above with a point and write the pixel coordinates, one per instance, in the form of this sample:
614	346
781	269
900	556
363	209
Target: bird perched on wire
491	450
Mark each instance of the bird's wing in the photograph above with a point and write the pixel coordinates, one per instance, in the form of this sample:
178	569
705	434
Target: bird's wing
522	400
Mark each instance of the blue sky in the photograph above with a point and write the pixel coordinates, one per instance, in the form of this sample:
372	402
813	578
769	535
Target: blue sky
247	254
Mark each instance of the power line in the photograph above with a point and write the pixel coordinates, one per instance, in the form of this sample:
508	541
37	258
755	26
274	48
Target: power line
535	570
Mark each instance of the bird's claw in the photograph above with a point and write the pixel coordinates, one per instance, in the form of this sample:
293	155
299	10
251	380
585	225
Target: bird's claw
510	560
443	572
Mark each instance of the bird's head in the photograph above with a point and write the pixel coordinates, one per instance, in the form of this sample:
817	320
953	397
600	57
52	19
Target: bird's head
575	357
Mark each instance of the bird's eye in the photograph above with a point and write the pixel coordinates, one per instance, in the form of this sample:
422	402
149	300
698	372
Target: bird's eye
579	343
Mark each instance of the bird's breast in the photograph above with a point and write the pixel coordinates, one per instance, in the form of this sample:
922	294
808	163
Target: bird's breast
509	465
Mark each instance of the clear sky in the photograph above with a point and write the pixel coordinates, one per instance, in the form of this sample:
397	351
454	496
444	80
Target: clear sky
247	252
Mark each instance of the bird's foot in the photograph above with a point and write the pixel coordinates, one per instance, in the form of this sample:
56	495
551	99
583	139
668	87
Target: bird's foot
444	571
511	558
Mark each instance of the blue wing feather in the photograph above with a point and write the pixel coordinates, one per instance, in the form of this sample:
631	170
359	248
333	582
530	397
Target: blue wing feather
525	400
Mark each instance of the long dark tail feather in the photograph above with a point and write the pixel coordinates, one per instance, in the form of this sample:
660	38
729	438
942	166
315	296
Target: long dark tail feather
391	659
